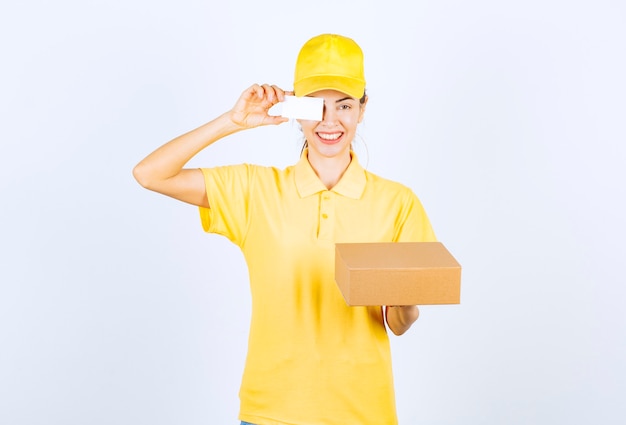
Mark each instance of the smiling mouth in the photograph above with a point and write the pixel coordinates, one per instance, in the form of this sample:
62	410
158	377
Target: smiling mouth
330	137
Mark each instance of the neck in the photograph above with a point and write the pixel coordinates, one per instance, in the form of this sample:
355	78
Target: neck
329	170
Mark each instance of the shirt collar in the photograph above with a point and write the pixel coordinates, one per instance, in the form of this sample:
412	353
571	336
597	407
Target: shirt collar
351	184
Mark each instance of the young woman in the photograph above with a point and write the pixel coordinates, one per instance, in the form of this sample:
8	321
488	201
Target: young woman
312	359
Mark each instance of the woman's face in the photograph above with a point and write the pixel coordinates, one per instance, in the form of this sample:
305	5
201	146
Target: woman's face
332	136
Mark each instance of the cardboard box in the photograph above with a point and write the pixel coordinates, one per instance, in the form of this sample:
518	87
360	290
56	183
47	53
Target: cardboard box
402	273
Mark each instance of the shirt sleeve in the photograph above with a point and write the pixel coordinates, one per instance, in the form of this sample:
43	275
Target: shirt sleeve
413	223
228	191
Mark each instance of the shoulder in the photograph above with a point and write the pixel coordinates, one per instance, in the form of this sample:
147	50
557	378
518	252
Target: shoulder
249	169
248	175
385	185
271	173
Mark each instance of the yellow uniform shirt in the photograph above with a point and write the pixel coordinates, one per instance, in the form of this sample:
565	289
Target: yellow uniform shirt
312	359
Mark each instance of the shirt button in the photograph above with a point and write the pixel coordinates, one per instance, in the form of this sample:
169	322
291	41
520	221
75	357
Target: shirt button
324	215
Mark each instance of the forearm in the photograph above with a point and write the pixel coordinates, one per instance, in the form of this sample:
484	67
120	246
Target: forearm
168	160
400	318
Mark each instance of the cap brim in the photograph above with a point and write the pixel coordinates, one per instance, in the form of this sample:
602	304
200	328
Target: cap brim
350	86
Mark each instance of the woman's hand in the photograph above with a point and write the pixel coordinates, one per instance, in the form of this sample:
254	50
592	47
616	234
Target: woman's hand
400	318
251	110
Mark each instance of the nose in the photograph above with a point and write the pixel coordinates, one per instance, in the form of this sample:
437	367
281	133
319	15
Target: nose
328	115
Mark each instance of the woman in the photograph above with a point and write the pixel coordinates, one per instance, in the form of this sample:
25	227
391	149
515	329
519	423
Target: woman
311	359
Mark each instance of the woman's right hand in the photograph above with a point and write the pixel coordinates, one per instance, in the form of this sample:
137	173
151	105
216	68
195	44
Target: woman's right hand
251	110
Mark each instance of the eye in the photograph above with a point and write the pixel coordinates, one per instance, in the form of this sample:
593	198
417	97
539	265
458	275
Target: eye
345	106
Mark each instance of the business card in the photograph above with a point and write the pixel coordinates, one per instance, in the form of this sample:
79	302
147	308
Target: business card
302	108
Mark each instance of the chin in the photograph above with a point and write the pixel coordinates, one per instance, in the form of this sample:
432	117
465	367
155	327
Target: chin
330	150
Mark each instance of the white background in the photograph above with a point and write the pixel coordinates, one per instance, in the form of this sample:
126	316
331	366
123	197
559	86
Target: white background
506	118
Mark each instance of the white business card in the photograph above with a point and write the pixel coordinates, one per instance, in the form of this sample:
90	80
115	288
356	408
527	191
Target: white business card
302	108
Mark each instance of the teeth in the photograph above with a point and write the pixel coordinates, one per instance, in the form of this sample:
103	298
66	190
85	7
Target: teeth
326	136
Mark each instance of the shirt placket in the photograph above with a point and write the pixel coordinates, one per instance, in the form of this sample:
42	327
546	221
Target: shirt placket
327	216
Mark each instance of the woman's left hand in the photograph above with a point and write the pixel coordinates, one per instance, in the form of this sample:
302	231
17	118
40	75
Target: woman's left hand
401	317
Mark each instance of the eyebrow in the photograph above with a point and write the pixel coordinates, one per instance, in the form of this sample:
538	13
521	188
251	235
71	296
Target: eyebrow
340	100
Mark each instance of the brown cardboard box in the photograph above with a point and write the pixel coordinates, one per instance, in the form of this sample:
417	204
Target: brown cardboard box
397	273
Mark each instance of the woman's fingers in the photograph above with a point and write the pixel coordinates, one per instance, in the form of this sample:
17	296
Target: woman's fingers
270	93
273	93
251	110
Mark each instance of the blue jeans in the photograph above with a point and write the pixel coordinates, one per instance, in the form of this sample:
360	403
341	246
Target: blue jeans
246	423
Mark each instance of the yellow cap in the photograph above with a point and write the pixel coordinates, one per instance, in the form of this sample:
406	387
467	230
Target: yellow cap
330	61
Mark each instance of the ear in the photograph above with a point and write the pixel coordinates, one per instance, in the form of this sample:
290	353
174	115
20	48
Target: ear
362	109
